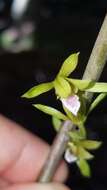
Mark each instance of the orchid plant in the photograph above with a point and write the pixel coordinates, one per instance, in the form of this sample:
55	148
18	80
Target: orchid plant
71	93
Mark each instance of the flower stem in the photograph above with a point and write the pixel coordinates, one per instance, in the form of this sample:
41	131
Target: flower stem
93	71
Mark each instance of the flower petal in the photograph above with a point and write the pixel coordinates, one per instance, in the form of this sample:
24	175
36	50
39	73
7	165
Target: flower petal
84	167
51	111
62	87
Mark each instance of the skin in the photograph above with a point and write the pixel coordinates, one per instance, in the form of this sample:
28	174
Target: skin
22	156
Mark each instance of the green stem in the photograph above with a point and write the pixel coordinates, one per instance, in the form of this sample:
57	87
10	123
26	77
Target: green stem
56	153
98	57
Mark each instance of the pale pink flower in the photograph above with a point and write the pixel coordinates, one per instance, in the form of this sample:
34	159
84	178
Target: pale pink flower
72	103
69	157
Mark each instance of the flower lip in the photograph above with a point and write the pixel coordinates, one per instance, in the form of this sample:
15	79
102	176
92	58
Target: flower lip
72	103
69	157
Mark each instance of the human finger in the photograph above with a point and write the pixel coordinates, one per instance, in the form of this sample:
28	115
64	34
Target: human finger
37	186
22	154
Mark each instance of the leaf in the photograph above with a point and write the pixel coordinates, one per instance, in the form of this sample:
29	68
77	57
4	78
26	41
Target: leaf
50	111
37	90
56	123
84	167
83	154
62	87
81	84
98	99
69	65
90	144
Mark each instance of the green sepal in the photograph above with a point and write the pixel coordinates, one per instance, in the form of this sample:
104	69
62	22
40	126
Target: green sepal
98	99
62	87
83	154
56	123
37	90
51	111
88	85
81	84
69	65
84	167
90	144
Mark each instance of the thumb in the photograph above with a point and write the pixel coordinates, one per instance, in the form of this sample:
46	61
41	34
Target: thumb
37	186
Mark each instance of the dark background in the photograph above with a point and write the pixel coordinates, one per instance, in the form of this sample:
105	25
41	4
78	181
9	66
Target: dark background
62	27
